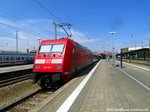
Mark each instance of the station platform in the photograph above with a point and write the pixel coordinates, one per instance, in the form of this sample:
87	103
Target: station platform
105	88
15	68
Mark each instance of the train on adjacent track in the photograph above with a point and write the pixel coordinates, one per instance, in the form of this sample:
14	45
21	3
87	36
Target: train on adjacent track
12	58
59	60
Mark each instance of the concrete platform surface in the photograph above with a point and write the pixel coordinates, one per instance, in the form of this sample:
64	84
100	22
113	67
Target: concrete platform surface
15	68
108	89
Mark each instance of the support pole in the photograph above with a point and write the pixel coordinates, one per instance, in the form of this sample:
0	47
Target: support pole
55	30
149	44
121	59
17	41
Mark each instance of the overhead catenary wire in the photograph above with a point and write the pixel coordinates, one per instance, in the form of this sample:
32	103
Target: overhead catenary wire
47	10
12	15
4	33
13	27
17	28
51	13
62	10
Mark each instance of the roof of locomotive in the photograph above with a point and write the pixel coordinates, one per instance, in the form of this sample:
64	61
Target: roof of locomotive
64	40
61	40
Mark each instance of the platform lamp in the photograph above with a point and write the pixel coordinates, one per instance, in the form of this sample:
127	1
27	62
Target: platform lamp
107	46
113	48
39	40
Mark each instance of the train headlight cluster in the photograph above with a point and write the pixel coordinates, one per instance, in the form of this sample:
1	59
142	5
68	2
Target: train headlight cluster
58	67
36	67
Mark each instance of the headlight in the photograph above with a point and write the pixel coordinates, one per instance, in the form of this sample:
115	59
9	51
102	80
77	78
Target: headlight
36	67
58	67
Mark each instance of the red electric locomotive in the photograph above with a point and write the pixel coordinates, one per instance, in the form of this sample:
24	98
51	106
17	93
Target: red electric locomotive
58	61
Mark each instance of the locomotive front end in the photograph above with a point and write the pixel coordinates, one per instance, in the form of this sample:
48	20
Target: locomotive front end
48	64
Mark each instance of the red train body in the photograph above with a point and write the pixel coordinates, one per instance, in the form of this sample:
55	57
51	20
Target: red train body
58	61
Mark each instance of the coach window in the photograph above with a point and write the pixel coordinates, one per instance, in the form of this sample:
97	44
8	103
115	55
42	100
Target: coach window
17	58
11	58
0	58
7	58
4	58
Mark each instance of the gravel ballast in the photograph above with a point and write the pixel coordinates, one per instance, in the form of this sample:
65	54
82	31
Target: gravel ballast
13	93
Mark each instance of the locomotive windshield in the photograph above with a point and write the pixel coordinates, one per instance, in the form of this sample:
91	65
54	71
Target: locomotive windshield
58	48
54	48
45	48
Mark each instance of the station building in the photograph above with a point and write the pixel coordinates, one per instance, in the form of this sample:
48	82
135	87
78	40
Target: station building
135	53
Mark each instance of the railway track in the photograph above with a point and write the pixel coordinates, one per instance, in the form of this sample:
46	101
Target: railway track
25	103
13	80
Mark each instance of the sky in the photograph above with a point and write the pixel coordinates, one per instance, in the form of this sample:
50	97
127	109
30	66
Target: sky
91	21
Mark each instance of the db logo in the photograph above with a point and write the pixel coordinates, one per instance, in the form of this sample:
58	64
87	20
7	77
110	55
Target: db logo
48	61
47	67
